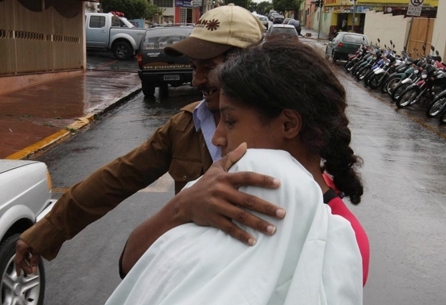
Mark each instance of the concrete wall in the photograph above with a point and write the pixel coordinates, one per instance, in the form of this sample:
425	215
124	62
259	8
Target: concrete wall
325	23
439	34
386	27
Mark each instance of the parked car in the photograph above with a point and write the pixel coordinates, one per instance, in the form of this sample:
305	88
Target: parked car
285	29
296	24
114	32
344	44
277	19
264	20
25	193
285	21
156	68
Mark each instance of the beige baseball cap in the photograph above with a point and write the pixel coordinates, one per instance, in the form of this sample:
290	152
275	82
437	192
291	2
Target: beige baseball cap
217	31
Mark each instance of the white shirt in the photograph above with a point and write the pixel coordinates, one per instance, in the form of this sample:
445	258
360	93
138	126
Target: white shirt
204	120
313	258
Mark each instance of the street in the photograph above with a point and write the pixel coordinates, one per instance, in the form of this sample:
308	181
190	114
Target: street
403	208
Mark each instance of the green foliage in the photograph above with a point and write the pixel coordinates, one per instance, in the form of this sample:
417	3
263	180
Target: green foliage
286	5
132	9
242	3
264	7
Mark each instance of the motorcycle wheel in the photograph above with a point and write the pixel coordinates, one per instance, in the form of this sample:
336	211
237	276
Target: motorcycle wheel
362	73
436	107
398	90
443	117
349	66
391	84
367	77
407	98
375	80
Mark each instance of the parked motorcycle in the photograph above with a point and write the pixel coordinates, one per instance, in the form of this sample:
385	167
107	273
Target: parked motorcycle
432	81
437	105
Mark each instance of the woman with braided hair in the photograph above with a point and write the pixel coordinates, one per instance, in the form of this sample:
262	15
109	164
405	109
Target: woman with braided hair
285	104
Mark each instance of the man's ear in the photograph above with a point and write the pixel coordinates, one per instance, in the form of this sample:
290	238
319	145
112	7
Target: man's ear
292	123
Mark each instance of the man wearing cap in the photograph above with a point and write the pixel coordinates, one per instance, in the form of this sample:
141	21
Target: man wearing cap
181	147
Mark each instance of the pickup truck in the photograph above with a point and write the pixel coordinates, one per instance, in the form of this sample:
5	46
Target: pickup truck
114	32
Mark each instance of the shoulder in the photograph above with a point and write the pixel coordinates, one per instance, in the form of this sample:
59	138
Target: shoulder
190	107
294	178
183	118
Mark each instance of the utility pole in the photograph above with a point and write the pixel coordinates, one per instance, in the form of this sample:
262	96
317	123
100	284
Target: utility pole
320	4
354	11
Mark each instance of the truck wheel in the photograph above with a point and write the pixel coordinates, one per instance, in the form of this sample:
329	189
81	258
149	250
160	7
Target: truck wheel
148	89
122	50
164	90
23	289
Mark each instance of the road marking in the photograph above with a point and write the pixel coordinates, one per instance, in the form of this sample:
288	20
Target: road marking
162	185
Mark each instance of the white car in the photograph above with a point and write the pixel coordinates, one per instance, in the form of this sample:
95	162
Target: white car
282	29
25	194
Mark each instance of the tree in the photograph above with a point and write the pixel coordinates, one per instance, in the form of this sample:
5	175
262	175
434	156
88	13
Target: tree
132	9
287	5
242	3
264	7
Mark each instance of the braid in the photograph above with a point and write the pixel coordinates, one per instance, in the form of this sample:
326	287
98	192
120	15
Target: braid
341	162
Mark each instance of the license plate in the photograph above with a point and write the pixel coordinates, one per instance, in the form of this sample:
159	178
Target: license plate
171	77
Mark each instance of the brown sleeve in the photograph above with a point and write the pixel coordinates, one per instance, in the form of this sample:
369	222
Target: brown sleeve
92	198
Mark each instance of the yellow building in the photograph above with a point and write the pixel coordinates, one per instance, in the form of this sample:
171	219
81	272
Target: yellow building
349	15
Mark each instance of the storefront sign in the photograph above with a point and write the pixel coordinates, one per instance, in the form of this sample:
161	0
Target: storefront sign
415	8
188	3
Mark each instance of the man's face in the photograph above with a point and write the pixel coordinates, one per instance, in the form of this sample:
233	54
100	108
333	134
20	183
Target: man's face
240	123
201	69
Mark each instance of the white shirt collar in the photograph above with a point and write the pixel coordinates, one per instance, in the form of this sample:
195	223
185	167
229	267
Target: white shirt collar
204	120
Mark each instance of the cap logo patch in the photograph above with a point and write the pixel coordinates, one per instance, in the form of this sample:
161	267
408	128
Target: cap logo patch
210	25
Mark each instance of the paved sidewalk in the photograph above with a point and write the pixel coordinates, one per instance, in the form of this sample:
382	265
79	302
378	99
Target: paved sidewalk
37	117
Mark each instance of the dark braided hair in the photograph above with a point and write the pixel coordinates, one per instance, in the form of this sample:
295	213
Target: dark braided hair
282	73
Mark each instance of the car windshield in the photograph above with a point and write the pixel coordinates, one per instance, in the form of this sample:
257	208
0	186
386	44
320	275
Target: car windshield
261	18
354	39
156	39
284	30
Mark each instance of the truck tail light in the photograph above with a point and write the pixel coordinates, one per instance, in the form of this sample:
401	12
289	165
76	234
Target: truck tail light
340	45
139	58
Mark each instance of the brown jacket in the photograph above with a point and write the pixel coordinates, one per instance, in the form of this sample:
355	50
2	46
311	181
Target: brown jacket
175	148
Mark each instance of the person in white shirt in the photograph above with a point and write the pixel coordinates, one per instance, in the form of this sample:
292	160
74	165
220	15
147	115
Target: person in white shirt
289	109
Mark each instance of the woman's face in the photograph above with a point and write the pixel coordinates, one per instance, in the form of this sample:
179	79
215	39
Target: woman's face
241	123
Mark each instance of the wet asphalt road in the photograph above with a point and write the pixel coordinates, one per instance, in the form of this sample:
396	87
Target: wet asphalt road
403	209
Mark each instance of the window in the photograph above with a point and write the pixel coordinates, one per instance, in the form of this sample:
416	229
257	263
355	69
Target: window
183	15
355	39
163	3
97	21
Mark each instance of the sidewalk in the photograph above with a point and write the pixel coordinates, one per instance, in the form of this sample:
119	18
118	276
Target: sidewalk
37	117
322	36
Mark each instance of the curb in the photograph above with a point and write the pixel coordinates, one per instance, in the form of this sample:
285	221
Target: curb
69	130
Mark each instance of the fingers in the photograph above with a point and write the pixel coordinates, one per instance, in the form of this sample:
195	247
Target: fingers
234	156
254	179
25	259
239	215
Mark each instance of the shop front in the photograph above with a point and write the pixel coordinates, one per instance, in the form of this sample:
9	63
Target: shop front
187	11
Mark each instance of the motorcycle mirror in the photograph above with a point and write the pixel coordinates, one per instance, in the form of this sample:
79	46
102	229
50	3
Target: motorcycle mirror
436	52
404	48
394	46
391	41
424	47
379	40
432	48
